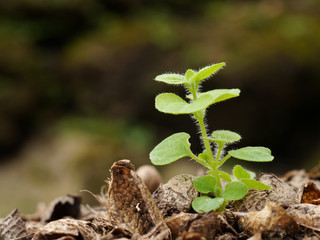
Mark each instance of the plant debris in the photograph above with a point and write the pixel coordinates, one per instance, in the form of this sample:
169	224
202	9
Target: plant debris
129	211
176	195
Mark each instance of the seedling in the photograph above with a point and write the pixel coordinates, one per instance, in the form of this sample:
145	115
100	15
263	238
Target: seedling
214	195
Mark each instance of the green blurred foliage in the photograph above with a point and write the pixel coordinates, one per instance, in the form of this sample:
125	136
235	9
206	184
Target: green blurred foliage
82	60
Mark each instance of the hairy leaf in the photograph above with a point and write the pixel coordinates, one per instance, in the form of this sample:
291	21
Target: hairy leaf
171	78
235	191
206	72
205	184
206	204
172	103
239	172
220	95
224	136
189	74
253	154
253	184
171	149
225	176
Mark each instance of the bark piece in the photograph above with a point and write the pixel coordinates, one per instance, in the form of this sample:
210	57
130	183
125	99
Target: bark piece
307	215
66	229
130	203
13	227
271	221
176	195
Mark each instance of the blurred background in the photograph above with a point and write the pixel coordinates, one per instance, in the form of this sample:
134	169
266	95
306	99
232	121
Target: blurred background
77	90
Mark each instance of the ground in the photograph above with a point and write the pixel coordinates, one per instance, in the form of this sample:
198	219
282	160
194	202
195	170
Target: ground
133	208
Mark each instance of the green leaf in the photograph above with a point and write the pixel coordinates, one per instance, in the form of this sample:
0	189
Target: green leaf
171	103
206	204
171	78
204	155
253	154
171	149
225	176
205	184
235	191
254	184
206	72
189	74
239	172
224	136
220	95
217	192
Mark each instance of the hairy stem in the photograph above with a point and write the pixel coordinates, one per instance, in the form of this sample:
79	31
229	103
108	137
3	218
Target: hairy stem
211	161
224	160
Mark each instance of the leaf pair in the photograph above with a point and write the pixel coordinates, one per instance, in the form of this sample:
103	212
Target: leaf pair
246	177
177	146
234	190
173	104
206	184
190	76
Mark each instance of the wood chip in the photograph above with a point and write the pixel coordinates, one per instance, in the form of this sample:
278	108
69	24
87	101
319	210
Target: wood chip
130	203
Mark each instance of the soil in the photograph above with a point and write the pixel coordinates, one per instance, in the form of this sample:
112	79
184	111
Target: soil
135	206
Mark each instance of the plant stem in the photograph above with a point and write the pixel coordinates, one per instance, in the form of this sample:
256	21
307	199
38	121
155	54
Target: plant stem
206	142
199	116
199	160
224	160
220	147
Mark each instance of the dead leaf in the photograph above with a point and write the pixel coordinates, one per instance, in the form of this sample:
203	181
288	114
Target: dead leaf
65	206
130	203
66	229
282	193
272	219
311	194
305	214
179	223
13	227
195	226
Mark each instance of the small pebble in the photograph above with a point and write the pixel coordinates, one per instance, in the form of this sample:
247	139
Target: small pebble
150	176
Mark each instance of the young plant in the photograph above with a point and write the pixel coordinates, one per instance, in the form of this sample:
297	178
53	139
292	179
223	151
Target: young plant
214	195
